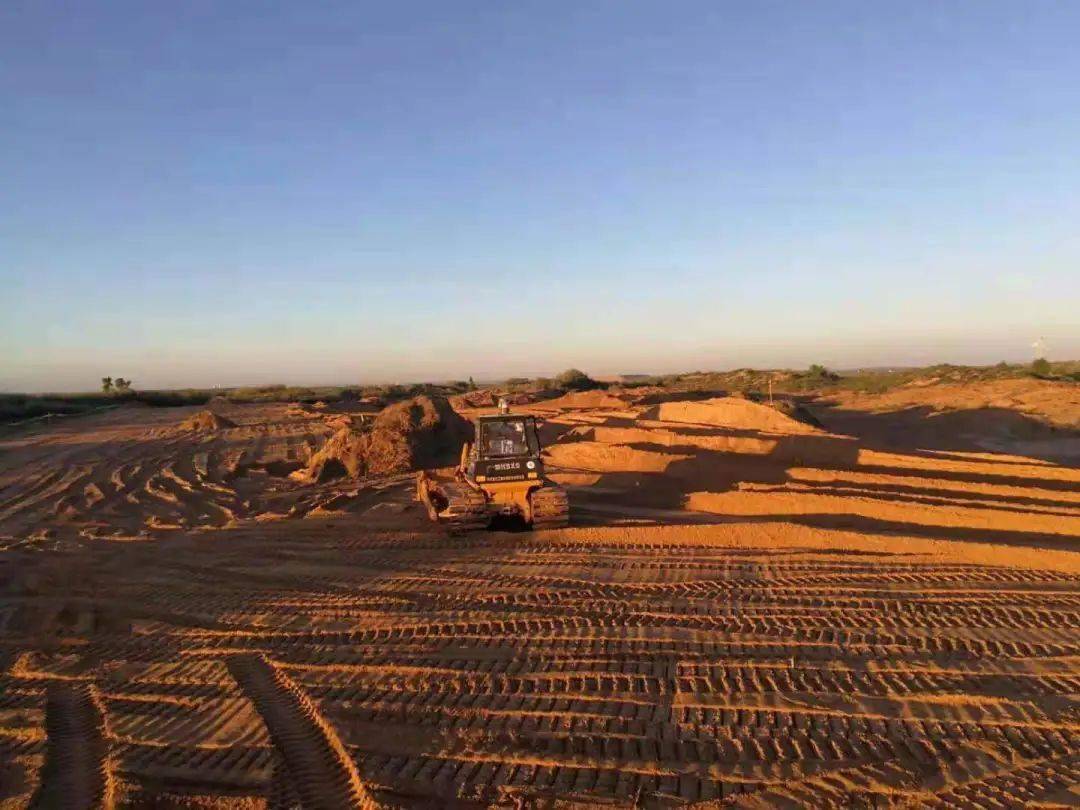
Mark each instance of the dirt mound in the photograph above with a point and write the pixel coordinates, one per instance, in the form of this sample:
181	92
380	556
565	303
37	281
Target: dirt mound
587	399
486	398
206	420
416	433
731	412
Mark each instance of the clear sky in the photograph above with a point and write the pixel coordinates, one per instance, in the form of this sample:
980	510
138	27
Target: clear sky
206	193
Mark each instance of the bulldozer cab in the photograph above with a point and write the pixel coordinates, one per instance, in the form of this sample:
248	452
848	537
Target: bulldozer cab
506	448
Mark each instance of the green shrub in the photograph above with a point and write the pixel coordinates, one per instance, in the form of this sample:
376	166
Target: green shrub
576	380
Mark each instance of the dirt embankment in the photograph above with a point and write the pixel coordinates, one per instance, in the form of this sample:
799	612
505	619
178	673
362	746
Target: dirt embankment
1054	403
416	433
1032	418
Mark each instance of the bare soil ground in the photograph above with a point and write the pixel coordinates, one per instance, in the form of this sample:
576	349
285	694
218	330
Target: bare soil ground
880	609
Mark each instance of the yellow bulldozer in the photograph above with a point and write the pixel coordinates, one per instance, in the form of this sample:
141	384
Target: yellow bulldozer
500	476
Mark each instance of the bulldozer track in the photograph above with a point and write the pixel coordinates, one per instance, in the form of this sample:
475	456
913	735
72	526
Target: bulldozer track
454	504
550	507
77	770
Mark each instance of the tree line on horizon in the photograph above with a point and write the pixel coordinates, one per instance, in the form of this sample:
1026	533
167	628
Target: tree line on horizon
115	386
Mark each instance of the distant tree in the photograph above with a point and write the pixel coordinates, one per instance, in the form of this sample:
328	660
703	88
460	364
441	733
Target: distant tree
421	389
817	374
107	385
575	380
122	385
1040	367
472	384
349	394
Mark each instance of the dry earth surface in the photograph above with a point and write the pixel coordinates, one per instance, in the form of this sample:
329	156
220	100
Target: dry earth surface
876	606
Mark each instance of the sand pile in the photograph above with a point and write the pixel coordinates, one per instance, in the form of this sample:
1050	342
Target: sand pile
206	420
731	412
587	399
416	433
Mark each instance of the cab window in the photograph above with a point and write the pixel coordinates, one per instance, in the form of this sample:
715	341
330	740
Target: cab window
505	438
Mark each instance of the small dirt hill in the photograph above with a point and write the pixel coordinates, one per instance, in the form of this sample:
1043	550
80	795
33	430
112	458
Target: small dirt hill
598	398
206	420
735	413
414	434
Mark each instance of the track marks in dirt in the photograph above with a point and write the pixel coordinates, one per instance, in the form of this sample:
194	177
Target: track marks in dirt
113	476
319	769
1013	787
495	667
77	770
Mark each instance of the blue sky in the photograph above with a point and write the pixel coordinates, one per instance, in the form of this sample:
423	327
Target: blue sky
232	193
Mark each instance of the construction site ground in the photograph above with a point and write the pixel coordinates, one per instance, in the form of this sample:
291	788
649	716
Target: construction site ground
875	605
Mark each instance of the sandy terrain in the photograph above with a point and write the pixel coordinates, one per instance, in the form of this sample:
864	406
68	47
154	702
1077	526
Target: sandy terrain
880	609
